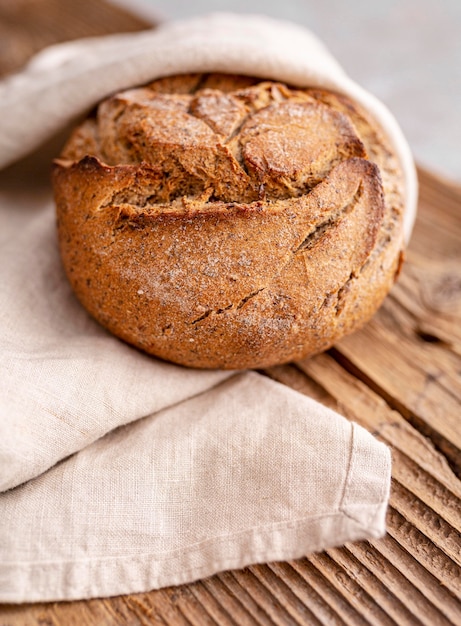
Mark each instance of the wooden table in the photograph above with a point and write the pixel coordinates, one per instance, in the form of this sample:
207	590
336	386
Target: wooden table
400	377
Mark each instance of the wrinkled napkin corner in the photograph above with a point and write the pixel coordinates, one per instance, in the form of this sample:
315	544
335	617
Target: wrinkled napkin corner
120	473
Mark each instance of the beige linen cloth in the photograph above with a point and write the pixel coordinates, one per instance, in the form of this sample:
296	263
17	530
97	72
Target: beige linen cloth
120	473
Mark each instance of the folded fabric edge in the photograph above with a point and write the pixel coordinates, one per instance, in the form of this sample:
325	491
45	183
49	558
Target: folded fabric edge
8	459
51	581
368	479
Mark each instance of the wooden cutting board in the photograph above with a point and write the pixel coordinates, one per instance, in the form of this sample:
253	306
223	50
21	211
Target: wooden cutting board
400	377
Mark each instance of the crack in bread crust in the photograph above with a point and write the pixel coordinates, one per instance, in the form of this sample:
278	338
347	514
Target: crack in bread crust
275	142
312	238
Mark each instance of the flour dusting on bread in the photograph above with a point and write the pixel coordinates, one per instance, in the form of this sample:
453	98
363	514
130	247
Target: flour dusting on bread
225	221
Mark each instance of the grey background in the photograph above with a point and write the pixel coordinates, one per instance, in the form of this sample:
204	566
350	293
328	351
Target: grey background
407	52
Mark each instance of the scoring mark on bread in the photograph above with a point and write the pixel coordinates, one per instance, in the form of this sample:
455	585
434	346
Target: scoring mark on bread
320	229
233	307
342	293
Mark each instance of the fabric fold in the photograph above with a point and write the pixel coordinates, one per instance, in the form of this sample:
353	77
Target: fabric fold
365	491
247	472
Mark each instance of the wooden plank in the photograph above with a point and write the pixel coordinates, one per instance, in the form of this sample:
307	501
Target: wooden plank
250	579
414	556
281	592
238	594
196	608
300	586
413	598
357	567
358	590
312	577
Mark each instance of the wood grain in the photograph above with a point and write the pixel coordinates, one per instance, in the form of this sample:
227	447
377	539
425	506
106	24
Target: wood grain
399	377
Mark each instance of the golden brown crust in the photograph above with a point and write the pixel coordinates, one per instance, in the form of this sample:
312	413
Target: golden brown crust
219	221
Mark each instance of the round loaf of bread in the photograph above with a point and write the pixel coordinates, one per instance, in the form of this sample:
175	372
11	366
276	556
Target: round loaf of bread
228	222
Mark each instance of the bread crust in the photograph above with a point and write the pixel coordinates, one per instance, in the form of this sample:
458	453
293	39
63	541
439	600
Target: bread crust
219	221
